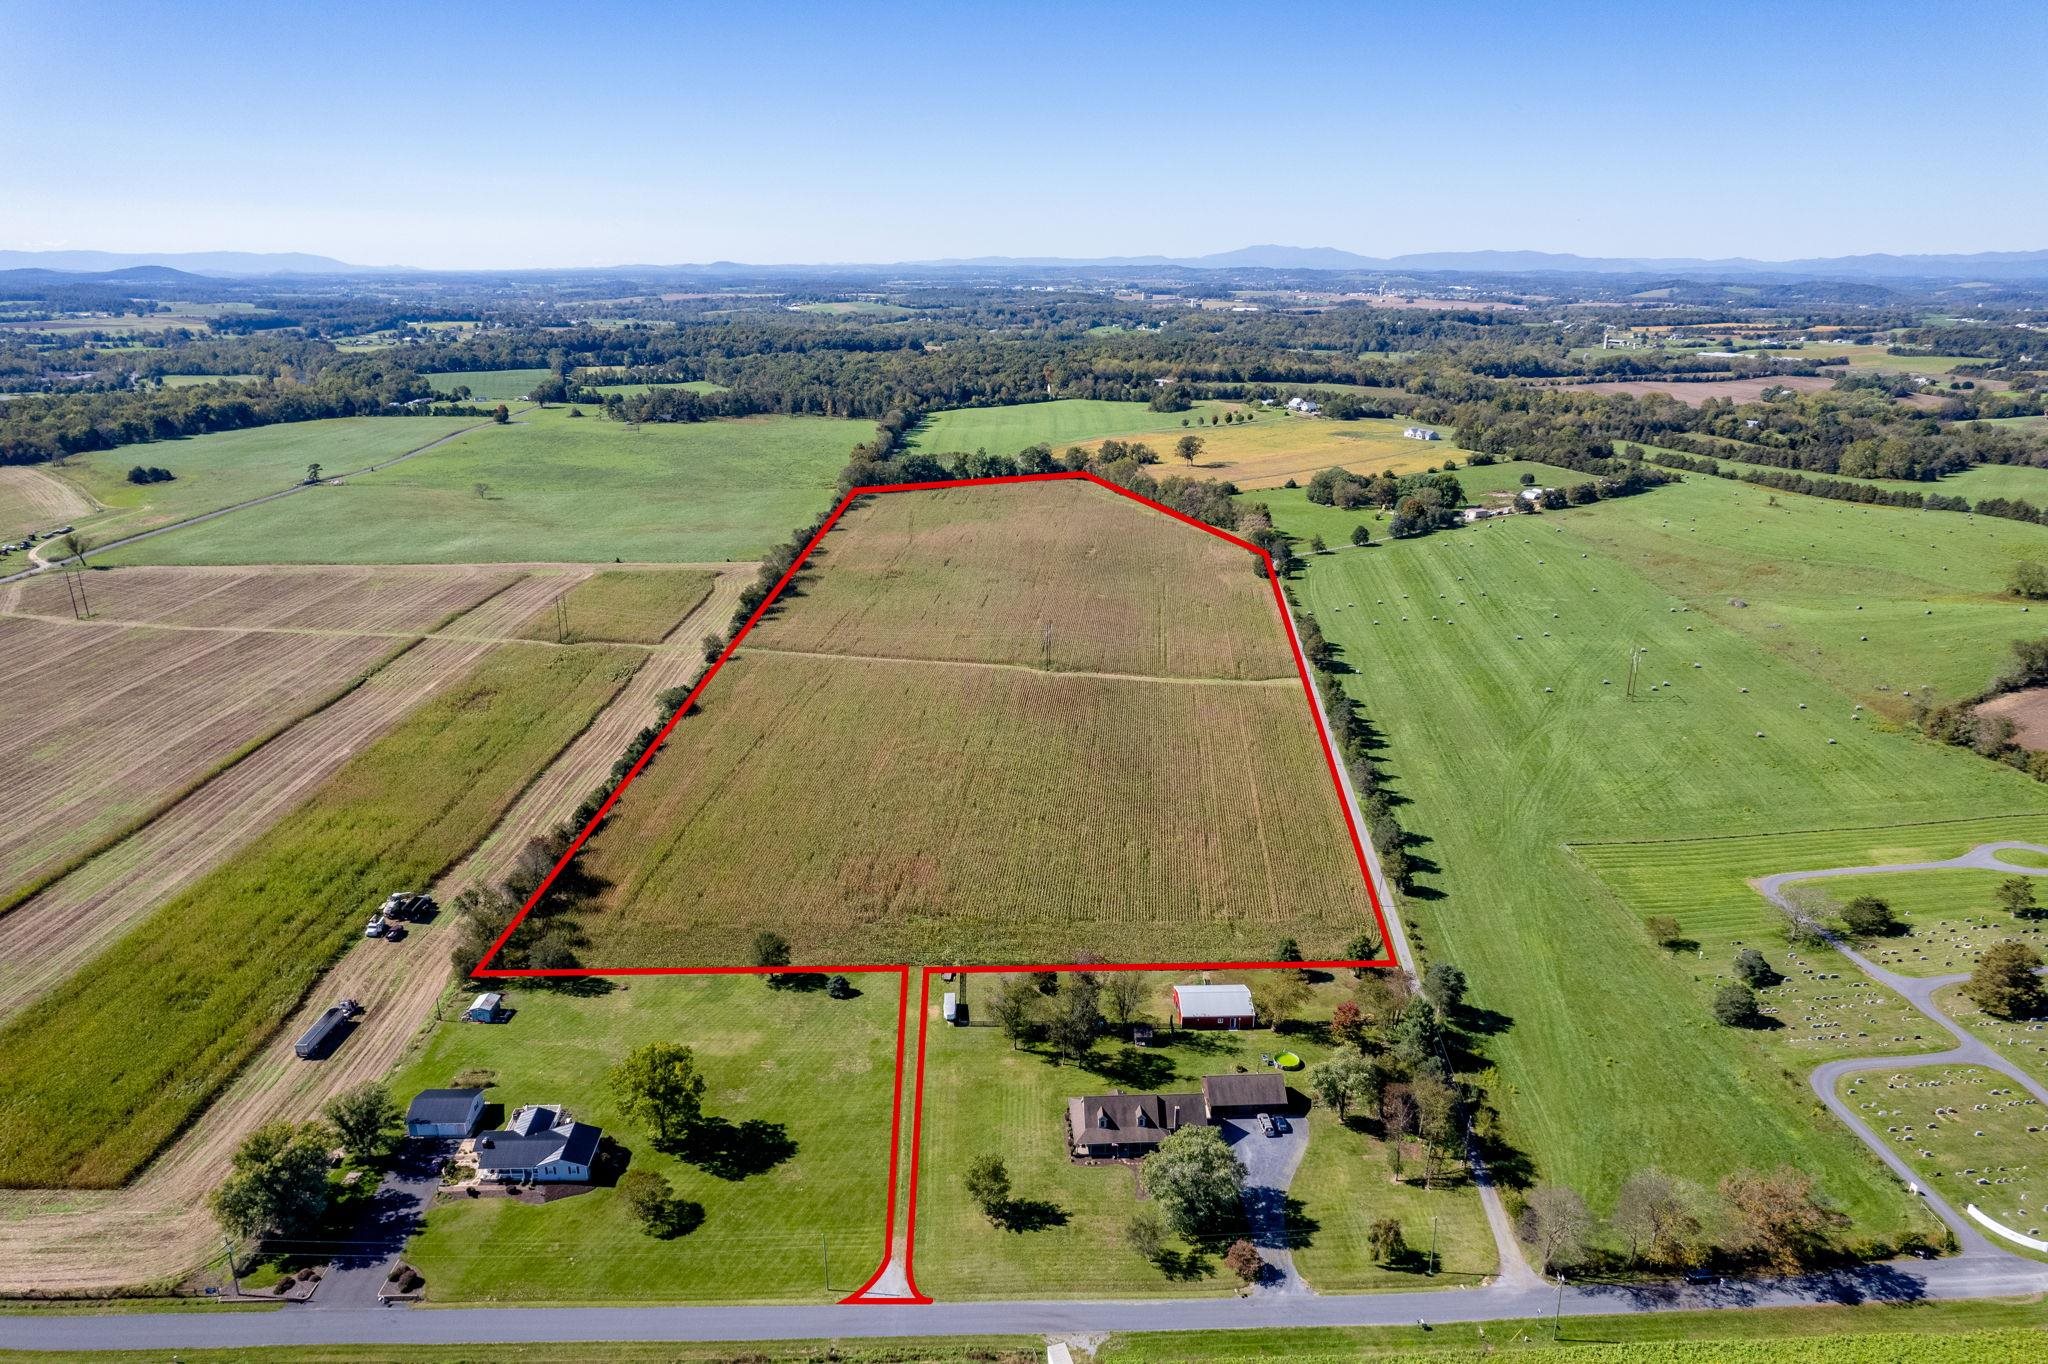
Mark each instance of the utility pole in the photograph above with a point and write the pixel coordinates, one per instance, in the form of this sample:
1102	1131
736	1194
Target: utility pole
233	1278
1635	656
1432	1245
81	595
1558	1311
825	1250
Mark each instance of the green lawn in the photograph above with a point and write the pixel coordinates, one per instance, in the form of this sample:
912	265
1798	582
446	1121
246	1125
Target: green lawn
1952	915
556	488
1059	423
1874	600
981	1095
895	1350
2024	1042
232	466
489	385
1493	660
97	1075
821	1070
1976	484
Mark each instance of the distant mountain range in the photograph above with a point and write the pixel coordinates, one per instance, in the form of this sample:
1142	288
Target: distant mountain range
191	262
2000	266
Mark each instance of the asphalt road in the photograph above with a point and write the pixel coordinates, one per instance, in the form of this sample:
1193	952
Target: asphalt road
1912	1281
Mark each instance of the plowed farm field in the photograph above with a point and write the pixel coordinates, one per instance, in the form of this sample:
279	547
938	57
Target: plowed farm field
1020	723
177	673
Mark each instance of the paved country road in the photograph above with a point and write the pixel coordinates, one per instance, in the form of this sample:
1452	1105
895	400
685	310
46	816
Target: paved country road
1941	1280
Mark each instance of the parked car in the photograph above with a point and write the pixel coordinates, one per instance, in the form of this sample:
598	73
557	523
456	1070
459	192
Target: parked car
375	928
1268	1126
393	932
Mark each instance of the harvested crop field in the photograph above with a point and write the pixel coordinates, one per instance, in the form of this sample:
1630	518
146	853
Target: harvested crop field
357	600
122	717
34	501
99	1073
54	932
630	606
950	797
1269	450
1735	390
1062	576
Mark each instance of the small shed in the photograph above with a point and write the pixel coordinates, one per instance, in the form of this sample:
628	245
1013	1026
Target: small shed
485	1008
949	1007
1214	1006
444	1113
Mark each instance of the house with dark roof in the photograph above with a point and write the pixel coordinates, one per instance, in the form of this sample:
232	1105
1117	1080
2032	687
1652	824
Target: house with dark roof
444	1113
1121	1126
541	1145
1127	1126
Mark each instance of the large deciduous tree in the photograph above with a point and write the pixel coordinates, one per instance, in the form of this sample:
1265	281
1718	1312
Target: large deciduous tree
1197	1180
279	1183
2004	982
658	1084
365	1119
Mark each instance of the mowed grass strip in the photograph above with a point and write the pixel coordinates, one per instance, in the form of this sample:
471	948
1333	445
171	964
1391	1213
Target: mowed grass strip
1006	429
1065	576
548	488
820	1070
626	606
890	811
99	1074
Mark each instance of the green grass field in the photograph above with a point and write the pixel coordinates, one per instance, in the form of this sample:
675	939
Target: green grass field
1815	577
1494	660
1976	484
820	1069
1060	423
983	1096
2024	1042
489	385
232	466
626	606
895	1350
556	488
98	1074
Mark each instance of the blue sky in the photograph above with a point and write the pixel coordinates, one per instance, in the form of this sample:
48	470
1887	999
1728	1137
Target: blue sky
509	134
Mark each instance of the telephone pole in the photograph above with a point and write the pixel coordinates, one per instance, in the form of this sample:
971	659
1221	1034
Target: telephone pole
1635	657
233	1278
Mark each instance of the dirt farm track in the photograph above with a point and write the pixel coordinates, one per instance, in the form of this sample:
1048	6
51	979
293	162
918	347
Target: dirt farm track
158	1227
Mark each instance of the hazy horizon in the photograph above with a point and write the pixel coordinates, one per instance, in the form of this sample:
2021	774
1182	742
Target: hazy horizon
517	136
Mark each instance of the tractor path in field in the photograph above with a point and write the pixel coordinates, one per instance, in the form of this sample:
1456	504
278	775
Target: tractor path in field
159	1226
1024	668
1919	991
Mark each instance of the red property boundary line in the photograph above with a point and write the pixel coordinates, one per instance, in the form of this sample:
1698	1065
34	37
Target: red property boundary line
485	971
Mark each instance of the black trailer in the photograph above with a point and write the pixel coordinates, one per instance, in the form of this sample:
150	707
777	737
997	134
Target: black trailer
318	1039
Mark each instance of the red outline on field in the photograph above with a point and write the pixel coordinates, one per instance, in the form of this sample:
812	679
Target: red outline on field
484	971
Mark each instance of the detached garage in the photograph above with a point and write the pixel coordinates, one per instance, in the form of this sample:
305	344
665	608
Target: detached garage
444	1113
